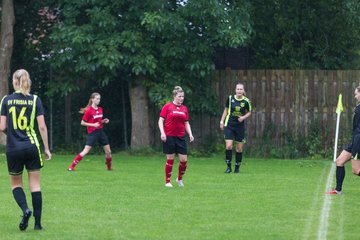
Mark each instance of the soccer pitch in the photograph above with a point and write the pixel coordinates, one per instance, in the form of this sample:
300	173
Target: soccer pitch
269	199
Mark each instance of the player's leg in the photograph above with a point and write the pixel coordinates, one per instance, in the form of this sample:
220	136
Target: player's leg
355	161
356	166
103	140
181	149
108	157
239	139
238	157
229	136
169	151
343	158
33	165
15	162
79	157
36	195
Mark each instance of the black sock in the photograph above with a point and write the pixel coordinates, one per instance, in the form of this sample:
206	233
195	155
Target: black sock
37	205
228	157
20	198
340	175
238	158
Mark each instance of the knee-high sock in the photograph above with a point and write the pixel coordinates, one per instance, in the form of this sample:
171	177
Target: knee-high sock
238	158
20	198
37	206
182	169
340	175
76	160
168	169
228	157
108	162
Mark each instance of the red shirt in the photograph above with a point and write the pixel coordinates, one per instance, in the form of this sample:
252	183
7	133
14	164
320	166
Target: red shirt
175	118
93	115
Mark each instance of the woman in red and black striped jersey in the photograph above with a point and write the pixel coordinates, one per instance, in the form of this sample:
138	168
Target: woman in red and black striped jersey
173	122
94	122
18	113
237	109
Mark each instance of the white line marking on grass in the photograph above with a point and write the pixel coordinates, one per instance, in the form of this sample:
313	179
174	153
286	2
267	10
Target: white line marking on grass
315	202
325	210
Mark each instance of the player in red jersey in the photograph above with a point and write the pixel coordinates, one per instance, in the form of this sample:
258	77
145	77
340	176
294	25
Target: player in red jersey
173	122
94	122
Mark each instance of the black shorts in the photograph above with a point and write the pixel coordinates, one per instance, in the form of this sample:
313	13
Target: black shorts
30	158
234	133
97	136
355	151
349	148
175	145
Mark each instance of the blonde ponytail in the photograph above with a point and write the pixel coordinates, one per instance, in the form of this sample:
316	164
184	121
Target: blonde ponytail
21	78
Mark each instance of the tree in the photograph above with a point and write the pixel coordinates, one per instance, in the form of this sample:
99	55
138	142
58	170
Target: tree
321	34
155	44
6	48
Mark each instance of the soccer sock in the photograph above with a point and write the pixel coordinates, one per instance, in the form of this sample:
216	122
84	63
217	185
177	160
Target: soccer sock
37	205
228	157
340	175
238	159
20	198
182	169
76	160
108	161
168	169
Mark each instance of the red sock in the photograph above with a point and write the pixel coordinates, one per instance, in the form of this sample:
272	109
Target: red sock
168	169
76	160
182	169
108	162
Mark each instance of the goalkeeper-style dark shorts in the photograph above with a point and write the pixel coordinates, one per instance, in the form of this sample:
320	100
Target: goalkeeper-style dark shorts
175	145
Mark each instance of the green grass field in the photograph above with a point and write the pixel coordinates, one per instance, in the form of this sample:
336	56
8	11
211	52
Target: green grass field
269	199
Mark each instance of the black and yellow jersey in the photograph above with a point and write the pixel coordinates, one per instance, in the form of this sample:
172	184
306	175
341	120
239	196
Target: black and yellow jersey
236	108
21	111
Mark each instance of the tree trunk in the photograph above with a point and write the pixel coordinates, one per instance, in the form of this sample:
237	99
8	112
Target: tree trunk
68	119
6	47
140	131
125	139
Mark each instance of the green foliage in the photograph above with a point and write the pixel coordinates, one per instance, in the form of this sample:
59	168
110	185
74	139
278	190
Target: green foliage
300	146
305	34
166	43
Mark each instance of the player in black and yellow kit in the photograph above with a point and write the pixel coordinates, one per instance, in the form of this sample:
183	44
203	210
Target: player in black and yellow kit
237	109
18	113
351	152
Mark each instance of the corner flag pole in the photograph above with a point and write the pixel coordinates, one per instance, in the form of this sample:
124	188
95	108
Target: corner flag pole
339	109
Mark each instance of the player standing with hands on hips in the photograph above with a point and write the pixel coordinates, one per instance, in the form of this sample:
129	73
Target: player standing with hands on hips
352	152
94	122
237	109
173	122
18	113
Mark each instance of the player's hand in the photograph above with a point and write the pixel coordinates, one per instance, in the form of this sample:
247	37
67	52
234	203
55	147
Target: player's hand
191	138
221	125
96	124
163	137
105	120
47	155
240	119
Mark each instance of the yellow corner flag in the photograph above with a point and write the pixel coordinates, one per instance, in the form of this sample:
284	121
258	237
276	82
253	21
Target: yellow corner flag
339	107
